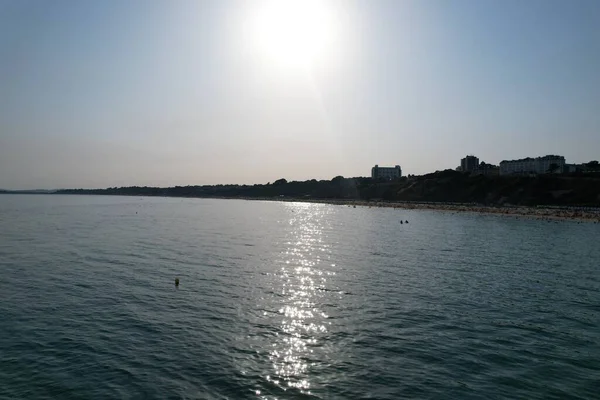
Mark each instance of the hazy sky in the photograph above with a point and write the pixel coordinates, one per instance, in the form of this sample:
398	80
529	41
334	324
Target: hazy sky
142	92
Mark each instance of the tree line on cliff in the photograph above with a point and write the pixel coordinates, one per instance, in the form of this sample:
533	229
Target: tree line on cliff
441	186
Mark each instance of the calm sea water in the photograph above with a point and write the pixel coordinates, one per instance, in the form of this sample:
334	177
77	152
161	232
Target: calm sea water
292	301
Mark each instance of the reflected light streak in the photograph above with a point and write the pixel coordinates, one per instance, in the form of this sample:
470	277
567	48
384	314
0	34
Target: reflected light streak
303	279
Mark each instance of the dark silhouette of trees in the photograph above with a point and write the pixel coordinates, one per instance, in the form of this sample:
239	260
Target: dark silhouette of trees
442	186
593	166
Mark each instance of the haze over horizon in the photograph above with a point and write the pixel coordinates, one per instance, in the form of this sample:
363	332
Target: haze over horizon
165	93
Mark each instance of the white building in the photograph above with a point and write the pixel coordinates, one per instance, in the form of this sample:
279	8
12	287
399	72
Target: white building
538	165
389	173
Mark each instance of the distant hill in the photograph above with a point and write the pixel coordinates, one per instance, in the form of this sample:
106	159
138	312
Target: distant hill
443	186
34	191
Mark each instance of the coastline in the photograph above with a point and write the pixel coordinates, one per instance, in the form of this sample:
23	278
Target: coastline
587	214
573	213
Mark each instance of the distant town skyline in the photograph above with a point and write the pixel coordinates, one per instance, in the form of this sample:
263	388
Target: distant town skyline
157	93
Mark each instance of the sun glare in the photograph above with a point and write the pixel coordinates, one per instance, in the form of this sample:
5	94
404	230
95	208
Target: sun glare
294	33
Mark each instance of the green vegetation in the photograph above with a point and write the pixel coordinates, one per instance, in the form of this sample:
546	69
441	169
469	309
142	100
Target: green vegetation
442	186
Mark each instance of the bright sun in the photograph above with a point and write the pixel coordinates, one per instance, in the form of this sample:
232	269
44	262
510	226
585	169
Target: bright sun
294	33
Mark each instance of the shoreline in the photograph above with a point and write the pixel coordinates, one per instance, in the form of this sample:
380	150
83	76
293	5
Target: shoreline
573	213
586	214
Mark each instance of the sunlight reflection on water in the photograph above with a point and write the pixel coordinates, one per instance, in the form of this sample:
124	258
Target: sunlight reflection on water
303	323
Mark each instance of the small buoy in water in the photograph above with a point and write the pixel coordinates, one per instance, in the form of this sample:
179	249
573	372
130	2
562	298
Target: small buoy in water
177	282
406	222
401	222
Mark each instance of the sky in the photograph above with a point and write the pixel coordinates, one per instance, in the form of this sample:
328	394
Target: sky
110	93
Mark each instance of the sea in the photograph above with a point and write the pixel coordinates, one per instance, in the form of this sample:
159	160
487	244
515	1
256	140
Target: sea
290	300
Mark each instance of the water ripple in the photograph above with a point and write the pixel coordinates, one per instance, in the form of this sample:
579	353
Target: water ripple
291	300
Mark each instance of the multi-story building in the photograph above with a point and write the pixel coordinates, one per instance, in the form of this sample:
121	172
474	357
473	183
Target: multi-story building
389	173
469	163
570	168
538	165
